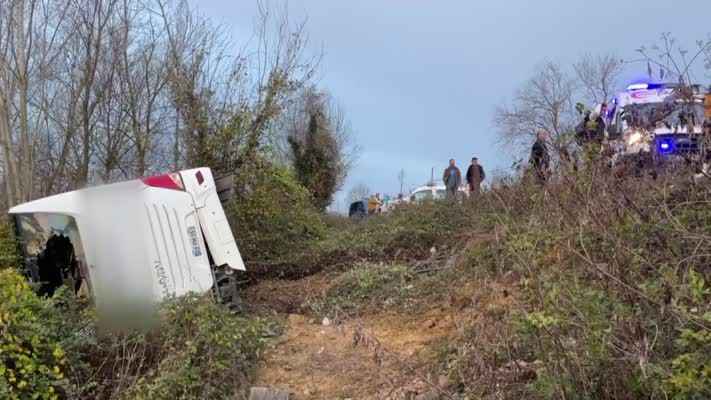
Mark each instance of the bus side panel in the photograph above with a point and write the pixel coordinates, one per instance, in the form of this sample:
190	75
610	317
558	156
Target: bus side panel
179	259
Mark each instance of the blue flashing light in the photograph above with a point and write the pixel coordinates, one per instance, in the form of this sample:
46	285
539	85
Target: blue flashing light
637	86
666	146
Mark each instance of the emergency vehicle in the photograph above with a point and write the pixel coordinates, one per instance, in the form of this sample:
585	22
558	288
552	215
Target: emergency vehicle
656	123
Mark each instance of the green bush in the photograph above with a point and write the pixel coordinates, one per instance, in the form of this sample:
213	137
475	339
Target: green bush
612	291
8	246
32	361
365	286
272	216
691	372
205	352
404	234
50	349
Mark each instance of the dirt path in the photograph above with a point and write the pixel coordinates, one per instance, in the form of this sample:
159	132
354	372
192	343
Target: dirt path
380	357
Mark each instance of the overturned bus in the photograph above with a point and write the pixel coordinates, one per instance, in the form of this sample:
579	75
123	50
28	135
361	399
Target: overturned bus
132	244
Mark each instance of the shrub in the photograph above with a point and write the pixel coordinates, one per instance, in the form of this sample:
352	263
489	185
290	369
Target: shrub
613	299
365	286
404	234
205	352
50	348
8	246
272	216
32	361
691	373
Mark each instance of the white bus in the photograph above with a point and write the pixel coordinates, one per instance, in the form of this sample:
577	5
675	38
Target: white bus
132	244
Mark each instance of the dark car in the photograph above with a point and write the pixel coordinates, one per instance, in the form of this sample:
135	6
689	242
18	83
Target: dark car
358	209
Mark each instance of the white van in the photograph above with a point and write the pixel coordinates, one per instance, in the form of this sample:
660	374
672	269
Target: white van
131	244
438	192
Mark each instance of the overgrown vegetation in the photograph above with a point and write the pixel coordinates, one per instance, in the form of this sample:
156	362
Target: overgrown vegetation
273	215
611	280
50	348
32	361
364	289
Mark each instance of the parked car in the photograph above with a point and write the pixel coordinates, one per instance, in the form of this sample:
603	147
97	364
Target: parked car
438	192
132	244
358	209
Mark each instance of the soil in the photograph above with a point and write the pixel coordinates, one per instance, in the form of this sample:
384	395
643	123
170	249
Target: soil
376	357
384	356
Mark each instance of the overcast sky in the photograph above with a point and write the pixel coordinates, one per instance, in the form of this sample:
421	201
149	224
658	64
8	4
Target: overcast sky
419	78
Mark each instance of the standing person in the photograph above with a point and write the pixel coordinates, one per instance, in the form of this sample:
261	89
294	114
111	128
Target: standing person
373	204
452	178
475	176
540	159
601	124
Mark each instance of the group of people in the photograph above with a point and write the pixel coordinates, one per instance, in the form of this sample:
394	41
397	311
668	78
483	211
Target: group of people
589	136
540	161
452	177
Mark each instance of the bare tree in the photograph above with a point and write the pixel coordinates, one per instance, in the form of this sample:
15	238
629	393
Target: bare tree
143	81
674	61
704	46
598	76
282	69
544	102
31	41
92	75
230	103
110	89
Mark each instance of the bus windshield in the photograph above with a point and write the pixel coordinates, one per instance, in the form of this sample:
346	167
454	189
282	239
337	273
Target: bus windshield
52	251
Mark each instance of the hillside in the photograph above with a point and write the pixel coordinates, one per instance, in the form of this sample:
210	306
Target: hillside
590	288
593	288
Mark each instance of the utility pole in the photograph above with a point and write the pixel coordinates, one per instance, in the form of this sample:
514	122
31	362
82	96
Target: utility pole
401	178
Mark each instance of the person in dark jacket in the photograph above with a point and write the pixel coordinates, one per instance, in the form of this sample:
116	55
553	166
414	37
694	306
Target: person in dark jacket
475	176
601	124
452	178
540	159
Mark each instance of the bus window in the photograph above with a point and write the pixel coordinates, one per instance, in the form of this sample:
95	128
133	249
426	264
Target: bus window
52	251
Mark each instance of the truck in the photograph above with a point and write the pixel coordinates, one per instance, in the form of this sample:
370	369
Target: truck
653	125
131	245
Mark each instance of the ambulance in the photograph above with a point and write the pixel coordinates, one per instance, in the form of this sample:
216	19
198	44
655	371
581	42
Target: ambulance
657	123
